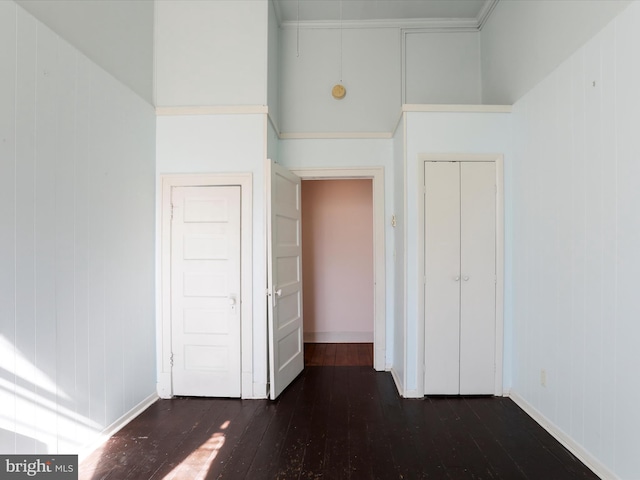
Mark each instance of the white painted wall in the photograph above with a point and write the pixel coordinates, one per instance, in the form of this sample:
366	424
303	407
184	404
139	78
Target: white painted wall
76	233
442	67
273	65
211	52
345	153
397	362
219	144
428	132
370	73
524	40
576	259
118	36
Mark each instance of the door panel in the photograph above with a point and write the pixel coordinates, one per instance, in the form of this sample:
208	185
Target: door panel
442	270
478	270
286	350
205	288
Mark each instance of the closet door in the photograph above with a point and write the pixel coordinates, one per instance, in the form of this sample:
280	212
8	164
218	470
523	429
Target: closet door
442	278
460	259
478	275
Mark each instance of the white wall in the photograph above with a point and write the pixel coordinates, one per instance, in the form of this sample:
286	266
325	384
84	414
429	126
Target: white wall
442	67
524	40
398	359
370	73
438	68
273	66
76	243
118	36
576	259
345	153
211	52
225	144
427	132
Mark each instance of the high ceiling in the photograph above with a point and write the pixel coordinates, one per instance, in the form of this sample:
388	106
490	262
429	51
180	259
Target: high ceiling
410	12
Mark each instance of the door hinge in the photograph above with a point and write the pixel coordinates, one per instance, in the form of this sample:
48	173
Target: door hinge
171	212
171	359
495	279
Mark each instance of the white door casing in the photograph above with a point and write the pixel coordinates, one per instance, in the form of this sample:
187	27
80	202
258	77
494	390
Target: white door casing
376	175
284	284
463	324
205	290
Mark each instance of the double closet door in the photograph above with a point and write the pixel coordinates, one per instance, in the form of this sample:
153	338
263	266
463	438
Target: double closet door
460	277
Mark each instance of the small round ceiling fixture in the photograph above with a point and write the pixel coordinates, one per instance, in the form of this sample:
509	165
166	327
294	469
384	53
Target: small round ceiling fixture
338	91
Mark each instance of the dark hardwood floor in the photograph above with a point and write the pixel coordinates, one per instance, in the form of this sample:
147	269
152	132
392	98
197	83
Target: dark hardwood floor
338	354
334	423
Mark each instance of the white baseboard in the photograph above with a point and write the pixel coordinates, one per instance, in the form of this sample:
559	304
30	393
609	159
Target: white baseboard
338	337
397	381
575	448
112	429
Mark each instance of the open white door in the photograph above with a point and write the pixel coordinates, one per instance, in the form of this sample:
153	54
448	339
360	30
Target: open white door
284	277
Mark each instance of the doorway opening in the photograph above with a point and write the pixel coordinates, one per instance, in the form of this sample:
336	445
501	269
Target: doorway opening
349	344
338	271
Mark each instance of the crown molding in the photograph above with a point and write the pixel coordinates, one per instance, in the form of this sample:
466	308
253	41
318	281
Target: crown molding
424	24
485	12
436	24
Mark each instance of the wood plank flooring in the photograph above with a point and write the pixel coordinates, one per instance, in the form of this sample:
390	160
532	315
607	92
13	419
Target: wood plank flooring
334	423
338	354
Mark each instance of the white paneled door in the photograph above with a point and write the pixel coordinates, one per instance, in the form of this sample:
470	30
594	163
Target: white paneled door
460	277
205	288
284	238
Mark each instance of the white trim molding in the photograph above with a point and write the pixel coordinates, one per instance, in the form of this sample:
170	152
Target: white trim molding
499	301
213	110
379	294
413	107
163	316
569	443
338	337
334	135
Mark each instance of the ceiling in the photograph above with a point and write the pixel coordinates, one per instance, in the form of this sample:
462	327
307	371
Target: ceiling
353	13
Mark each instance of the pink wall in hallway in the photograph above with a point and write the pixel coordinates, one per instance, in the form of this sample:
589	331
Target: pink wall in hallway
337	256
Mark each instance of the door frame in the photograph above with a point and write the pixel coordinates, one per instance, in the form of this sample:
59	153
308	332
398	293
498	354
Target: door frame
163	276
376	175
498	159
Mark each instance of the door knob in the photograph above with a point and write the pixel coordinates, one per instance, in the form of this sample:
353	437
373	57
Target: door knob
457	279
279	292
465	278
232	301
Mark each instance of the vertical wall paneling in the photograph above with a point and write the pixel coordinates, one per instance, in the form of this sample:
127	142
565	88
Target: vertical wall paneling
81	245
46	142
25	228
76	243
576	261
627	150
63	200
7	224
